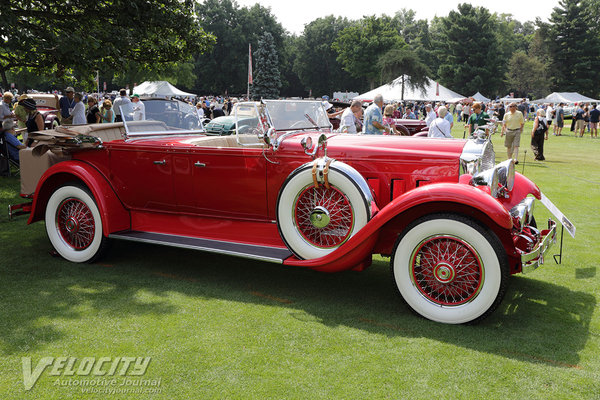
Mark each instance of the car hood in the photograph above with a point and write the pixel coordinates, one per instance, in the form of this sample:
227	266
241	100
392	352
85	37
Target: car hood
384	146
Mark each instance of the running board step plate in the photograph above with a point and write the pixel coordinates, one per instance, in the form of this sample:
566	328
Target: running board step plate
256	252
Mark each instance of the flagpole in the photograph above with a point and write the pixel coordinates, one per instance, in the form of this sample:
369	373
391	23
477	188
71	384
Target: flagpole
249	70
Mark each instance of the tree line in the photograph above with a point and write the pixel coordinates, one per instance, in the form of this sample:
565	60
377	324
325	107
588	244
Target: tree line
203	48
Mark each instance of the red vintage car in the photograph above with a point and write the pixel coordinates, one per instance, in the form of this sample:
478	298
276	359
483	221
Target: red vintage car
285	189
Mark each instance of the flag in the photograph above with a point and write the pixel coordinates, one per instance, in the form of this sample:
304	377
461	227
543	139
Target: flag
249	63
437	88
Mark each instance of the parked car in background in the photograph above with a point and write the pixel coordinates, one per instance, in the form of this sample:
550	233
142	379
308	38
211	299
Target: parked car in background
175	113
47	105
285	188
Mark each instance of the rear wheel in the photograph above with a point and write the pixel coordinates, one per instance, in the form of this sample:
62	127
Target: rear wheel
74	225
449	269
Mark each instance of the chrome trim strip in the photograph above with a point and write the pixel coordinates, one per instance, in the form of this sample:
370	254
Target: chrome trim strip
538	254
131	236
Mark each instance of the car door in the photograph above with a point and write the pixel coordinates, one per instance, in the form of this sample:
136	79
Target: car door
221	181
143	177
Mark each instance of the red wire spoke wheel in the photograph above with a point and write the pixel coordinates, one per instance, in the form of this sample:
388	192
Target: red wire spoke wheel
447	270
324	217
314	221
450	269
76	223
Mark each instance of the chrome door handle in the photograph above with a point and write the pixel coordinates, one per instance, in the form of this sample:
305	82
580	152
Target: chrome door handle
161	162
199	164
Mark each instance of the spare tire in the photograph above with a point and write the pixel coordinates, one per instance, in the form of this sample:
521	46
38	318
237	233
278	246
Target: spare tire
315	221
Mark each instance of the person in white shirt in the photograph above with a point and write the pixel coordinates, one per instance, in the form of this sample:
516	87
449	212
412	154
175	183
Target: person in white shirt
348	122
5	112
78	112
429	114
139	109
122	102
549	112
440	127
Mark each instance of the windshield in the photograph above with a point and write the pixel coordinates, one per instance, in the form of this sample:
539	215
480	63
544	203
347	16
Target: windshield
160	116
297	114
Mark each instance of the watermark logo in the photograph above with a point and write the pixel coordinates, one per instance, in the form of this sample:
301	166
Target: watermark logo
102	367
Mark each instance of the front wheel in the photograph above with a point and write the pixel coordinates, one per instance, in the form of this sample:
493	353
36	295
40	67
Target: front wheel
74	225
449	269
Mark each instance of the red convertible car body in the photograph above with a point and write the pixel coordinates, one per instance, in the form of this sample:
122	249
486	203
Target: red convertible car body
286	189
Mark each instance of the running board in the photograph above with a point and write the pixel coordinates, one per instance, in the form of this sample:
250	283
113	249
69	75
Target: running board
255	252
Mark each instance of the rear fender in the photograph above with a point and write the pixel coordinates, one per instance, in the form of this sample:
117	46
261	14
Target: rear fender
114	215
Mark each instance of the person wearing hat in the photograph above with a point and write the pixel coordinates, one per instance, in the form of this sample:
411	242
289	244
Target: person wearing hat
512	127
67	104
35	121
430	115
5	111
21	112
8	130
139	109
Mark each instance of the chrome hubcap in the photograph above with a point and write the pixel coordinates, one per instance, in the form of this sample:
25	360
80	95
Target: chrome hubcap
319	217
444	273
72	225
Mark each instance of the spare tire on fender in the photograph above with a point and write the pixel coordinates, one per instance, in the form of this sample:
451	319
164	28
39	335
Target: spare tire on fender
315	220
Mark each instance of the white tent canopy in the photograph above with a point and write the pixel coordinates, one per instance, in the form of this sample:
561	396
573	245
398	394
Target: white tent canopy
509	99
565	97
393	92
159	88
479	97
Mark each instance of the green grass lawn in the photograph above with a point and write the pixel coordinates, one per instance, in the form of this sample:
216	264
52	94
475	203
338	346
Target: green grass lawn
222	327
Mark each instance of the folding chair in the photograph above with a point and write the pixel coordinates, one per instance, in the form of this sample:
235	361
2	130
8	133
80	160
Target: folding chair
7	164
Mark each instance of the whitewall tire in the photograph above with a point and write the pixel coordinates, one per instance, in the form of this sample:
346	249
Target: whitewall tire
449	269
314	222
74	225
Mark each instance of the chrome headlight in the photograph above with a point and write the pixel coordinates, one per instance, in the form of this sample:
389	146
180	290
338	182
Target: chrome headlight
477	155
506	174
488	178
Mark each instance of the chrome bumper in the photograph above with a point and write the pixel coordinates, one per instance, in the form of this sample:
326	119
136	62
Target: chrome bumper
532	260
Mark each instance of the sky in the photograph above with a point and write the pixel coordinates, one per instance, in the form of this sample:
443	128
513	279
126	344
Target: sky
293	15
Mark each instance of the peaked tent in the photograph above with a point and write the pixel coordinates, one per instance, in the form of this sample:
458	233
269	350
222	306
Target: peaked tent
159	88
393	92
565	97
479	97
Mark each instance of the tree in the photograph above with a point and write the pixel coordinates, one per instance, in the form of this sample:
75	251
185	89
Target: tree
290	82
527	75
55	37
224	69
416	34
267	80
468	51
360	45
403	62
574	43
316	62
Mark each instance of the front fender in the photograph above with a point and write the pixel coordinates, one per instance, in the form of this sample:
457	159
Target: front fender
114	215
354	251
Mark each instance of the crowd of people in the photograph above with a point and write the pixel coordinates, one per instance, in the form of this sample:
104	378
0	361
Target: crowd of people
378	118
